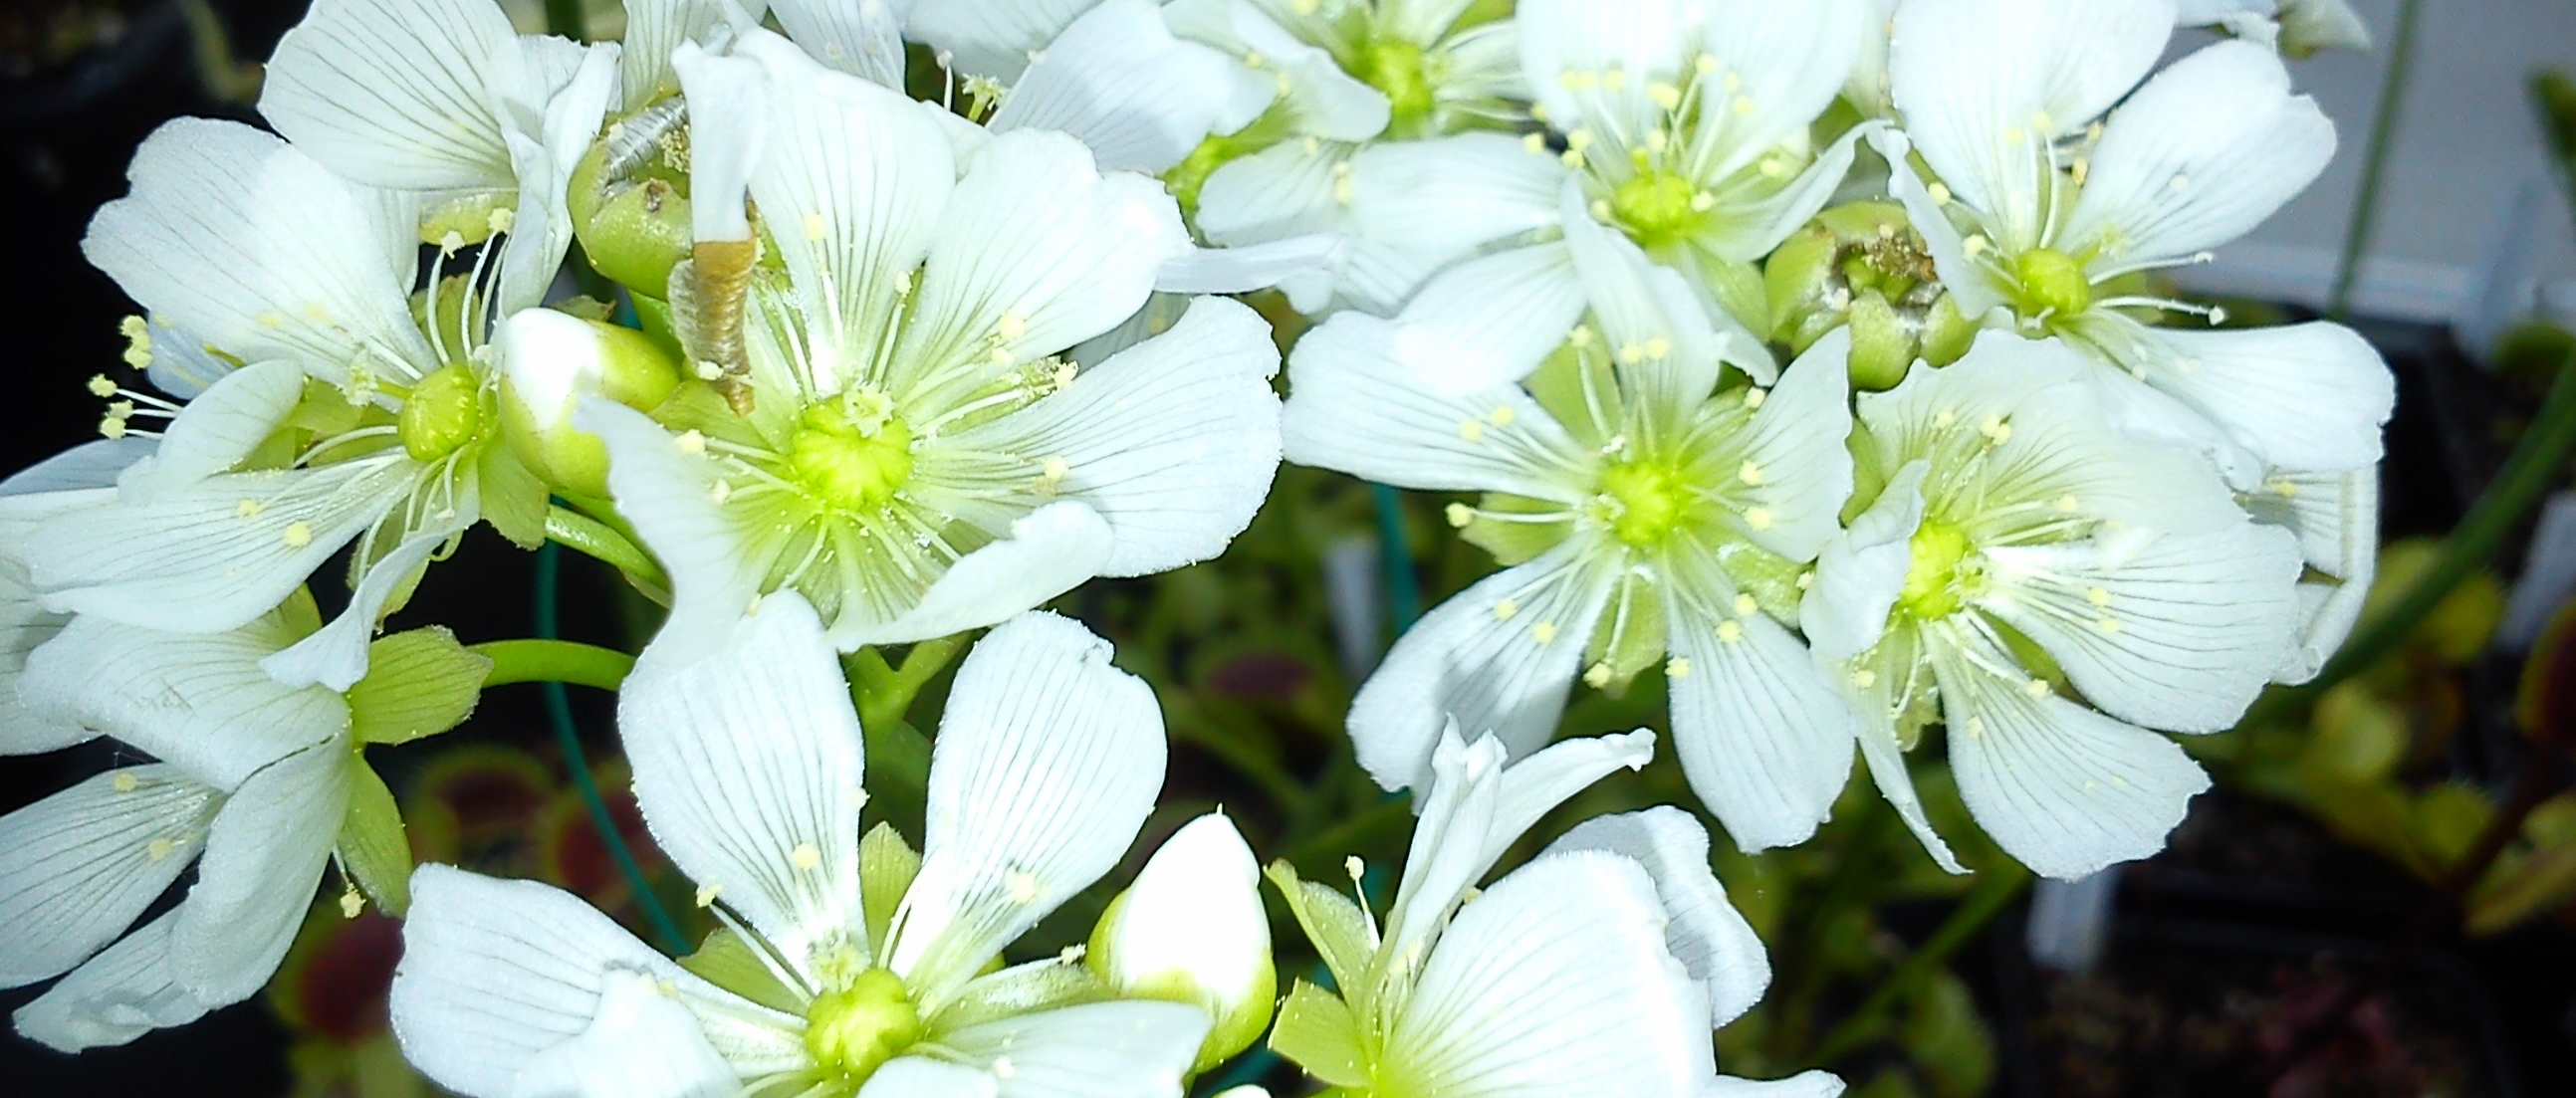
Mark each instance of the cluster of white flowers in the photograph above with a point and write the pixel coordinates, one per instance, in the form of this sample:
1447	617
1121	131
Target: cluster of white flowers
901	369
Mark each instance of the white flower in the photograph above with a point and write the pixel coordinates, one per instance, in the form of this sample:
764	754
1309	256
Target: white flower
2018	553
904	449
2040	210
849	964
84	476
2299	27
1650	517
1685	126
1191	929
254	776
2336	518
245	242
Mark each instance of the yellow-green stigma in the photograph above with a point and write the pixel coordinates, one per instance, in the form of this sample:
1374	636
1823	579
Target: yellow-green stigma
442	414
2052	282
1646	502
1655	206
845	467
1933	579
855	1030
1395	67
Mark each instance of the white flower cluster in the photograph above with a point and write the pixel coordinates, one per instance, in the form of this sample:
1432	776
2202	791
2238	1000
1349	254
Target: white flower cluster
900	369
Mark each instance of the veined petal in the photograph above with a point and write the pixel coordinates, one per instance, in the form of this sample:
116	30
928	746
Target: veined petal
216	554
1860	573
656	28
264	857
1874	684
1763	735
641	1043
245	241
923	1077
401	94
1037	251
1251	267
1571	49
2199	156
2336	518
747	765
992	37
541	231
1556	981
197	701
1280	191
666	490
1141	98
2179	634
1134	1049
1046	553
121	994
78	867
1355	407
335	656
1499	657
1971	284
72	478
1795	443
1640	304
1985	85
1443	198
1421	22
1047	761
1173	441
1323	100
1785	63
495	974
864	39
1490	320
1707	935
218	429
2062	788
1752	231
729	100
1805	1084
2309	396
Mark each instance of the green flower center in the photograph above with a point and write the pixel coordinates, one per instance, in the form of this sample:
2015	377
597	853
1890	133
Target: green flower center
1395	67
1933	579
856	1029
442	414
1646	502
844	466
1655	205
2052	282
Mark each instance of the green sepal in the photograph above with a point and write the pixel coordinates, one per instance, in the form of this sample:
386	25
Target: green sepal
373	848
1629	638
1512	542
887	865
1882	348
1739	289
731	963
1026	989
419	683
1773	580
1317	1032
513	496
1797	276
1947	333
1332	921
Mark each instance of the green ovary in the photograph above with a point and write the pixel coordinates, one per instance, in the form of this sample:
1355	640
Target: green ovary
2052	282
845	468
442	414
1934	579
855	1030
1395	67
1647	502
1656	206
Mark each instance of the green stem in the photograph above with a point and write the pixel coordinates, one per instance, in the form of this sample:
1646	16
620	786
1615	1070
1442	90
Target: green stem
2528	474
594	539
565	18
517	661
886	692
898	753
2374	163
1996	889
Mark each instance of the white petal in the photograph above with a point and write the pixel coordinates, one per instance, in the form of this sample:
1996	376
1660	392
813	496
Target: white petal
1173	441
2063	789
1983	84
2310	396
1750	231
1443	198
1355	407
1251	267
923	1077
656	28
992	37
1886	761
1557	981
1047	553
1499	657
1785	62
1707	935
216	554
1280	191
336	655
542	230
1860	574
1320	99
2180	634
181	365
861	37
1096	1050
1038	243
1643	41
747	766
120	995
1797	441
48	486
2336	518
1639	303
642	1043
2199	156
219	428
1119	80
667	492
402	94
78	867
1047	760
1805	1084
197	701
495	974
264	857
1490	320
250	245
729	101
1971	284
1764	737
1421	22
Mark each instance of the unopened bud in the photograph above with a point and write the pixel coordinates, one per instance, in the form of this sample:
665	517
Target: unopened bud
548	359
1192	930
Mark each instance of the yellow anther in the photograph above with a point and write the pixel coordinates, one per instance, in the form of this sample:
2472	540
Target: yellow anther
1864	678
1664	95
1471	430
2035	688
1011	327
249	508
1572	159
1996	428
1597	676
1502	416
1536	143
1742	106
1614	79
1749	473
1945	418
721	491
1355	868
2180	183
707	895
1758	518
502	220
2068	503
1753	398
100	386
1659	347
1055	469
159	850
124	782
1746	605
1976	245
2098	597
1504	610
1704	65
1581	336
1940	194
1543	632
352	902
451	243
1459	515
1730	631
691	441
1578	80
112	427
806	857
1677	667
1632	354
298	534
1601	209
2044	122
1023	886
814	229
2108	625
1579	140
1976	728
2283	487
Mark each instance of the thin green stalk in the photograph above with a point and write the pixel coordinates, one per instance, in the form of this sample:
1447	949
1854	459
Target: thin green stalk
1403	590
2374	163
886	692
535	660
898	753
594	539
1996	889
577	762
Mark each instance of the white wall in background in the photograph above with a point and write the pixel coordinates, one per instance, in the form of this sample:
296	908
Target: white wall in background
2467	168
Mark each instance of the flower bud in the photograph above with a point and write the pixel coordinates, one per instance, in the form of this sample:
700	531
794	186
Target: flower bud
629	200
547	359
1863	265
1192	930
